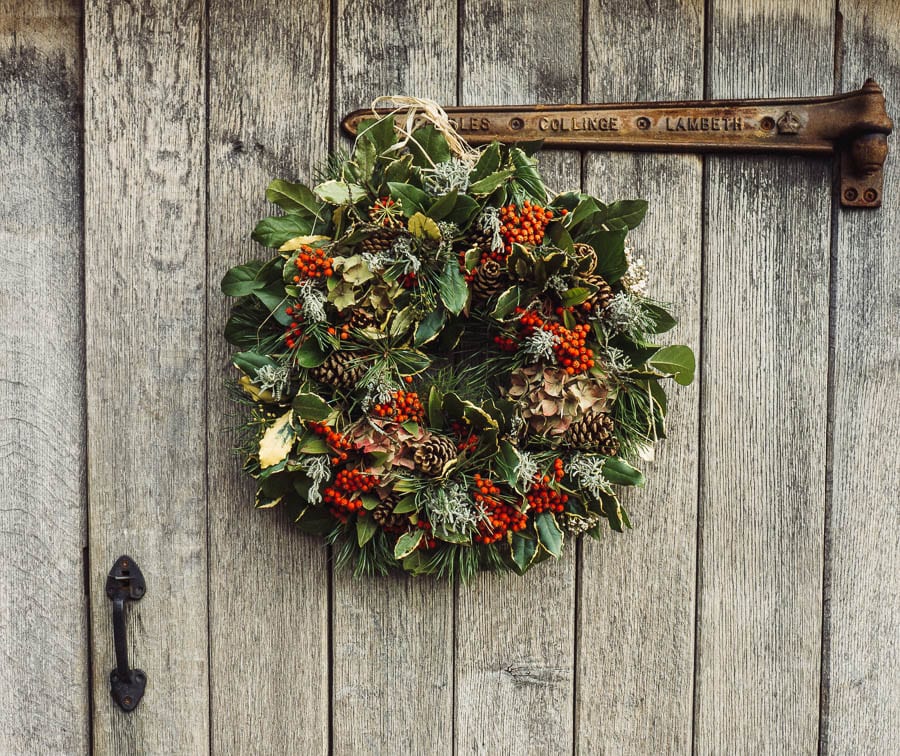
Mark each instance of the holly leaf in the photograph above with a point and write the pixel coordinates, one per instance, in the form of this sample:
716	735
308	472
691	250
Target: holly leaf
428	147
523	550
624	213
618	471
489	183
549	534
276	442
412	199
311	407
407	544
487	164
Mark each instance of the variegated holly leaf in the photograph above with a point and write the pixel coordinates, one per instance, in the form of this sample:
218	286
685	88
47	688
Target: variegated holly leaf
277	441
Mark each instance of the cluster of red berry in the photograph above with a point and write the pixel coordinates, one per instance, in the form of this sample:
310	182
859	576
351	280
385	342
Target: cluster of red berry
345	331
343	495
502	517
570	349
428	542
525	225
466	440
543	498
335	440
294	332
404	405
313	263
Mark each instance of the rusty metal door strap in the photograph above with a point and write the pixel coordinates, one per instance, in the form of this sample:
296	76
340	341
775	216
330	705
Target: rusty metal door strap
854	125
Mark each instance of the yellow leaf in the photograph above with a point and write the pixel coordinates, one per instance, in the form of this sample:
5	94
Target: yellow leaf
298	241
421	226
277	441
254	391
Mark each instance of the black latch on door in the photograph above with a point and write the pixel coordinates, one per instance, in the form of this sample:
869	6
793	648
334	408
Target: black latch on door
125	582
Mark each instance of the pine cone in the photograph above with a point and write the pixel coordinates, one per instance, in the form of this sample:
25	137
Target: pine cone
489	279
599	301
433	454
595	432
338	370
604	294
379	241
384	515
359	317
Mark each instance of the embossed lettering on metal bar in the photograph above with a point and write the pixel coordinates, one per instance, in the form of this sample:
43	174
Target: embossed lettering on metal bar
855	125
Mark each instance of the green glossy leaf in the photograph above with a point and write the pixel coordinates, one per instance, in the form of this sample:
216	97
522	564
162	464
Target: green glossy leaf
428	147
435	400
310	355
489	183
443	206
487	164
241	280
523	549
277	229
677	361
311	407
406	505
412	199
575	296
618	471
507	302
294	198
452	288
526	174
662	320
379	131
250	362
366	527
610	249
627	213
464	211
430	327
549	534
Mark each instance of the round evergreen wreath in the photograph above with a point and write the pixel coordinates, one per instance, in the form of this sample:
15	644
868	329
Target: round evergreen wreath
443	369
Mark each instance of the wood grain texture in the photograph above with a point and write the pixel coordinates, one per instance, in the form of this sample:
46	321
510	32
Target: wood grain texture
765	336
393	637
515	636
146	363
268	583
43	618
636	600
862	672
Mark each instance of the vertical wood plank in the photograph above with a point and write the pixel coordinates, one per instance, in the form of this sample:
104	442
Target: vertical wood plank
146	368
861	689
43	618
268	101
765	337
393	637
515	636
636	601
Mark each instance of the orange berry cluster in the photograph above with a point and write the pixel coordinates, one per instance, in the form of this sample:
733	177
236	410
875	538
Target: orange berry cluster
313	263
345	331
571	350
525	225
502	517
335	440
343	495
405	405
506	344
543	498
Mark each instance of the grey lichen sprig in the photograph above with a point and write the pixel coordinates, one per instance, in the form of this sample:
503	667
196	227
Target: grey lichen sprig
624	314
319	470
451	509
587	471
447	176
272	378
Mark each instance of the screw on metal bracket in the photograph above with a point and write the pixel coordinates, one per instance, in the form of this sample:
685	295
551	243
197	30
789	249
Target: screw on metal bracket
125	582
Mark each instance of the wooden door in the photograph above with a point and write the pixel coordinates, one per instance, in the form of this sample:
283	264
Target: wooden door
755	606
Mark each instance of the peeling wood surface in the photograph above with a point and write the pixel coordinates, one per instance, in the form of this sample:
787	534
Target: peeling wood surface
752	608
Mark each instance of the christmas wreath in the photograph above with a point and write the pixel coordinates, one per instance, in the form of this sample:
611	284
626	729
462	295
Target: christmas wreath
444	369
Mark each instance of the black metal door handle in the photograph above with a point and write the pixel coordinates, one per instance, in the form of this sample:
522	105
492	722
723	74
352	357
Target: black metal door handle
125	582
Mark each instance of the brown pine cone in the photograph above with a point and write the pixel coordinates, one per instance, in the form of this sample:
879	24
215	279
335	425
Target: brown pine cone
340	370
490	279
359	317
379	241
384	515
433	454
595	432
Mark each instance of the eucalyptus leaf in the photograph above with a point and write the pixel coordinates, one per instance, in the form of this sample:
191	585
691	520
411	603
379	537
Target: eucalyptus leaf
677	361
294	198
340	192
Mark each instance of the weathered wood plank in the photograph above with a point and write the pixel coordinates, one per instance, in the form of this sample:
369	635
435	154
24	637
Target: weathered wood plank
515	637
146	364
765	338
861	693
43	618
636	609
268	583
393	637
